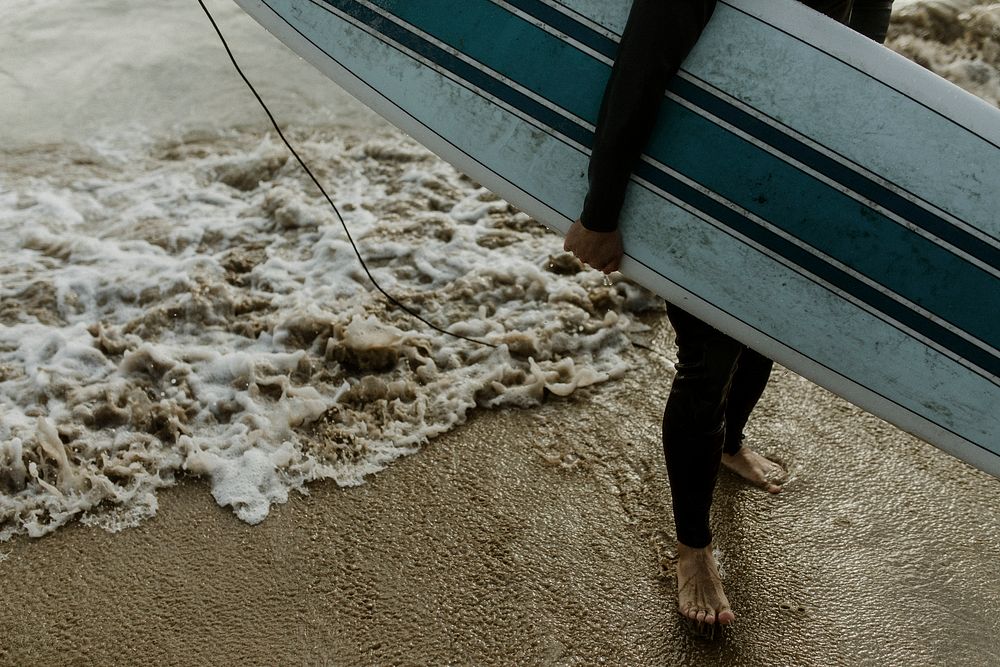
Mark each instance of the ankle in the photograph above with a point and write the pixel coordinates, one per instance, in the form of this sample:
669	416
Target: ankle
685	550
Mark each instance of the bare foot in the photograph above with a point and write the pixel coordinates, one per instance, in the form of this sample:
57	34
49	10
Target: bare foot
700	596
755	468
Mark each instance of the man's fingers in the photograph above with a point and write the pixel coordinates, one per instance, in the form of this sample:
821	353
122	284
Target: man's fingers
599	250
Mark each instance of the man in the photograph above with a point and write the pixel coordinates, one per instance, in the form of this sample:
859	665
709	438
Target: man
718	380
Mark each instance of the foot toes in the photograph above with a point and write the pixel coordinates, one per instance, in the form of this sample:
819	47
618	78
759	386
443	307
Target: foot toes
726	616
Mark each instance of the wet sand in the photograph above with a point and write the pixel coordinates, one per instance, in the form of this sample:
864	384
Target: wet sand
543	537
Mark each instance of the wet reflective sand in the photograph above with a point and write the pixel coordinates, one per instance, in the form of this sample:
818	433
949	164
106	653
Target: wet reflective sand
544	537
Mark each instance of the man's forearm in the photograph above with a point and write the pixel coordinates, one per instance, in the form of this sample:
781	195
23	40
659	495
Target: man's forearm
658	36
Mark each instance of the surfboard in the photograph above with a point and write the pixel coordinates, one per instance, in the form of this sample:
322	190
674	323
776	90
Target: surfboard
806	191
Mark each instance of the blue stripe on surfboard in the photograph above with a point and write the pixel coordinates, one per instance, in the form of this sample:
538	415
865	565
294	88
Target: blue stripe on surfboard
473	75
575	90
830	221
821	270
928	333
567	26
837	171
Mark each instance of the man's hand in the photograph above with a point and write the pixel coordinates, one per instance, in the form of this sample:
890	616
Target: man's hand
601	250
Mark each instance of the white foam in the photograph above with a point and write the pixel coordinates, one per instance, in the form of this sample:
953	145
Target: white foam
200	311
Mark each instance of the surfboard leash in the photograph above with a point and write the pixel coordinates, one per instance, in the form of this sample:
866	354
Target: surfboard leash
393	300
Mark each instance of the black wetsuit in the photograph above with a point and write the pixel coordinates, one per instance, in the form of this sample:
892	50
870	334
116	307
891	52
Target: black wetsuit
718	379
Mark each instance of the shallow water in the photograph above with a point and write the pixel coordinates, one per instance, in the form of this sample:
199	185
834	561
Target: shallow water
176	297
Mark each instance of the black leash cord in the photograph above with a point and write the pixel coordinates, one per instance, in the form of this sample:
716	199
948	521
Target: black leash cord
305	167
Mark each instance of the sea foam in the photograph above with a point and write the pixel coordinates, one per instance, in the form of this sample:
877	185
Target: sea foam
195	307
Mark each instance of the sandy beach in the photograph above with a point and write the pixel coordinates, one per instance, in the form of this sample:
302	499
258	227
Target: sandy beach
290	472
543	537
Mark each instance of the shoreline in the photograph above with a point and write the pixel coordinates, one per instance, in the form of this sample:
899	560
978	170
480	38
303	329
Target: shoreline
543	536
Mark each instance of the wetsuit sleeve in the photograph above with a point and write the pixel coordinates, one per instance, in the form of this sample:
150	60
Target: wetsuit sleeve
658	36
871	18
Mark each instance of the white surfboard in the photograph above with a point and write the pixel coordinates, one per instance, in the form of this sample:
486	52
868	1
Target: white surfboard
806	190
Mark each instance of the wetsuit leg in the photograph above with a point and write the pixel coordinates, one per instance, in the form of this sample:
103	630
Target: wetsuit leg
752	372
718	380
694	424
871	18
